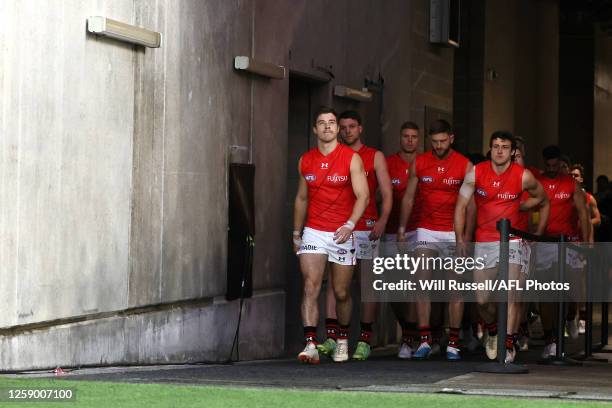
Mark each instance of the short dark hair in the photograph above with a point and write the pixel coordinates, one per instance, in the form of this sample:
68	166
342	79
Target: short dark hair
602	178
409	125
350	114
579	167
551	152
503	135
440	126
322	110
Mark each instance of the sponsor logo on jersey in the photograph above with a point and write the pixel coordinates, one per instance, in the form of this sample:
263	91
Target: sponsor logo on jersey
325	165
451	181
310	177
552	186
308	247
562	195
496	183
396	181
481	192
370	223
426	179
441	169
506	196
337	179
342	251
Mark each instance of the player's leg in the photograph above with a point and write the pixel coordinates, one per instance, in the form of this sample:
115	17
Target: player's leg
331	321
312	267
343	275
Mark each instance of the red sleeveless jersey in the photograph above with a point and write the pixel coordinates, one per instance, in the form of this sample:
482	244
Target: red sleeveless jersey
438	189
563	219
330	192
497	197
399	172
370	215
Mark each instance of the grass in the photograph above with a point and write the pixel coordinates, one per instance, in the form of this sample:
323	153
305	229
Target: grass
105	394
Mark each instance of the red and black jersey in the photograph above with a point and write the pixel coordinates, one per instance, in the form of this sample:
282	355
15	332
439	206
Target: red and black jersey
370	215
438	189
563	219
330	192
497	196
399	172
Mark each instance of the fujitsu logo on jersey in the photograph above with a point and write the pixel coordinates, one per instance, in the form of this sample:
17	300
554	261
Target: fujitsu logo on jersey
427	179
451	181
562	195
396	181
506	196
310	177
337	179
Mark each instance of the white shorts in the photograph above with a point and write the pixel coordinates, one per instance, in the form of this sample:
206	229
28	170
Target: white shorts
443	242
519	252
410	237
547	254
322	242
364	248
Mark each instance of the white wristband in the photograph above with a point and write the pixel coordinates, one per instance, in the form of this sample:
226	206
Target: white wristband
401	230
297	233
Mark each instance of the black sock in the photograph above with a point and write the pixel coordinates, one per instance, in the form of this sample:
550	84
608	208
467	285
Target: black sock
366	332
331	327
310	334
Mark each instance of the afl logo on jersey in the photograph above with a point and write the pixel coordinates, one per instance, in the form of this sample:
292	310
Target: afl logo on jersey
481	192
427	179
396	181
310	177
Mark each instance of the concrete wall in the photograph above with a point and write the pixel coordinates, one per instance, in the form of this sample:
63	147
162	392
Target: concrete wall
523	97
602	93
67	126
114	164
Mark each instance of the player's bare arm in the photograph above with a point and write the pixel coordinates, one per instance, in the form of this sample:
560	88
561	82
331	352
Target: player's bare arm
466	194
362	194
299	209
386	193
583	215
595	214
470	215
407	202
537	198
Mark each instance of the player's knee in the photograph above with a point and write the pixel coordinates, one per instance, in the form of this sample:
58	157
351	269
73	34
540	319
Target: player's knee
311	288
342	294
